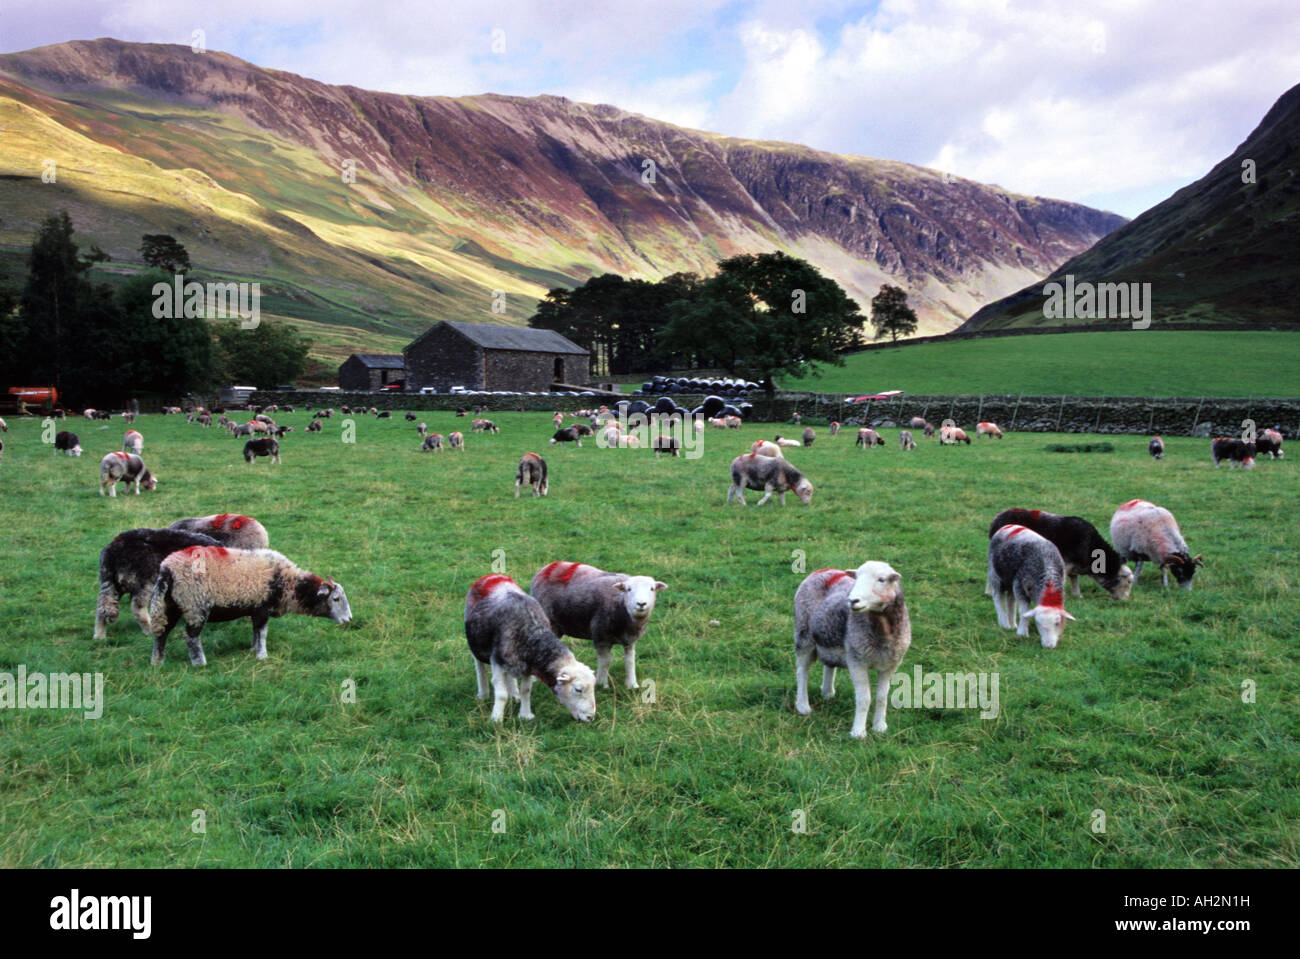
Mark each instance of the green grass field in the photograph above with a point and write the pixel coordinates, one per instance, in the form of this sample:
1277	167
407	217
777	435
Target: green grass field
1210	363
1139	714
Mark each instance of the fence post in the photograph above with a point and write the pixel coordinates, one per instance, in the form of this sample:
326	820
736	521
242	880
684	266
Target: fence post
979	413
1152	421
1196	420
1097	424
1016	412
1059	414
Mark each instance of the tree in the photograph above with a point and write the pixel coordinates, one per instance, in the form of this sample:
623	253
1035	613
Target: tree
890	314
265	356
162	251
766	315
168	355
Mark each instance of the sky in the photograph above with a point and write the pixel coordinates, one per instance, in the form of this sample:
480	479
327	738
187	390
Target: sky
1111	103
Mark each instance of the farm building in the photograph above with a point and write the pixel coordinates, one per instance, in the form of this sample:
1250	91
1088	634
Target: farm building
482	357
370	371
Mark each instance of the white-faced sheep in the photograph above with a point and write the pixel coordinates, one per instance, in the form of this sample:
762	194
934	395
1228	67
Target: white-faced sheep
769	474
1082	548
484	426
456	440
432	441
905	441
509	634
130	565
952	435
610	609
315	426
987	429
213	583
67	442
835	427
1269	443
127	468
766	448
557	420
228	529
532	470
1027	578
263	447
1142	531
868	438
133	442
809	435
422	429
1156	448
785	443
853	619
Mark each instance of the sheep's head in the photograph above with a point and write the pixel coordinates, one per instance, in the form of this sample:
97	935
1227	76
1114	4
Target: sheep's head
334	602
875	586
1183	566
1051	623
638	594
804	490
1122	586
575	687
149	481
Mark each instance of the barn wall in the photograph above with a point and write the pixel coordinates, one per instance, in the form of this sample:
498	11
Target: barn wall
527	372
444	359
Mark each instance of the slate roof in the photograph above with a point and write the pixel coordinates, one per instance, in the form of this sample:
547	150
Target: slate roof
381	361
517	338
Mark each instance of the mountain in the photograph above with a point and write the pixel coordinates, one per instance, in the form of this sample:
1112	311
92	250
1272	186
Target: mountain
455	198
1221	250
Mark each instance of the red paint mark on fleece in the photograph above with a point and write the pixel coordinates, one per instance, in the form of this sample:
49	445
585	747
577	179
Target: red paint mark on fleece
232	520
119	453
217	552
1131	503
831	576
1052	597
560	572
1036	514
1013	530
484	585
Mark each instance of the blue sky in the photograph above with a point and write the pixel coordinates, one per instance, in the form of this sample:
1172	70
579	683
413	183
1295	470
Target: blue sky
1113	103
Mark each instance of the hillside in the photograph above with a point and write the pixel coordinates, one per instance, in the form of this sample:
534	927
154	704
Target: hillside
1219	250
457	197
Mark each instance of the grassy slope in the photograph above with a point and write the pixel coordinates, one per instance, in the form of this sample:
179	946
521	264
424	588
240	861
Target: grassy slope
1134	363
1138	713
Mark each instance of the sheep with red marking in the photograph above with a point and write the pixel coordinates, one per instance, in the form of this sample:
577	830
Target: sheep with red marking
769	474
868	438
1082	548
1236	452
202	584
130	565
315	426
855	620
952	435
228	529
508	633
456	440
126	468
610	609
532	470
987	429
835	427
133	442
433	442
1027	580
1156	448
1143	531
1269	443
766	448
484	426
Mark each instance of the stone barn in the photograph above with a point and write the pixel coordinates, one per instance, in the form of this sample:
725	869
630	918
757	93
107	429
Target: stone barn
478	356
370	371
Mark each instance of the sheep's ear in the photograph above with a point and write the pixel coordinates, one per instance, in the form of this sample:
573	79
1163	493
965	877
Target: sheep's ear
851	573
1068	616
659	585
621	586
324	590
1198	561
564	677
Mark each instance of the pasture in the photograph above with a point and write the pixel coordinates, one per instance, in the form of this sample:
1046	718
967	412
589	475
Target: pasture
1137	717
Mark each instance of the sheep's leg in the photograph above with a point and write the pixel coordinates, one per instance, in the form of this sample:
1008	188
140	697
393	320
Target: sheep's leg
1021	609
803	658
105	610
481	677
501	693
140	610
828	681
883	678
862	699
1074	585
526	697
512	684
1137	571
629	666
603	656
1164	577
160	637
259	634
194	640
767	491
782	497
517	485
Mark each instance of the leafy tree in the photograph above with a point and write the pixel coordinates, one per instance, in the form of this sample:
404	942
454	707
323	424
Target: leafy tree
163	252
166	355
265	356
890	314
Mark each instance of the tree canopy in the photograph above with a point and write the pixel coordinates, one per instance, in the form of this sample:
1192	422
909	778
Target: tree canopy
890	314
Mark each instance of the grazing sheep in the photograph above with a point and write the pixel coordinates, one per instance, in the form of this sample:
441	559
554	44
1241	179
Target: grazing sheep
868	438
484	426
228	529
780	441
987	429
433	441
507	631
718	422
1082	548
1235	451
383	414
569	434
127	468
770	474
734	422
279	431
809	435
665	444
423	429
263	447
532	470
905	441
1143	531
129	565
202	583
411	417
610	609
238	430
205	419
1269	442
456	440
133	442
1027	579
835	427
1156	448
315	426
67	442
920	423
952	435
854	619
766	448
557	420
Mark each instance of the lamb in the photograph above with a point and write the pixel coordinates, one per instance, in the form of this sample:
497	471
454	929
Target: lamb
1269	442
456	440
868	438
1027	579
610	609
315	426
124	467
432	442
262	447
854	619
905	441
67	442
1235	451
1082	548
202	583
1156	448
809	435
952	435
133	442
228	529
507	631
569	434
835	427
557	420
532	470
987	429
130	564
1143	531
770	474
766	448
